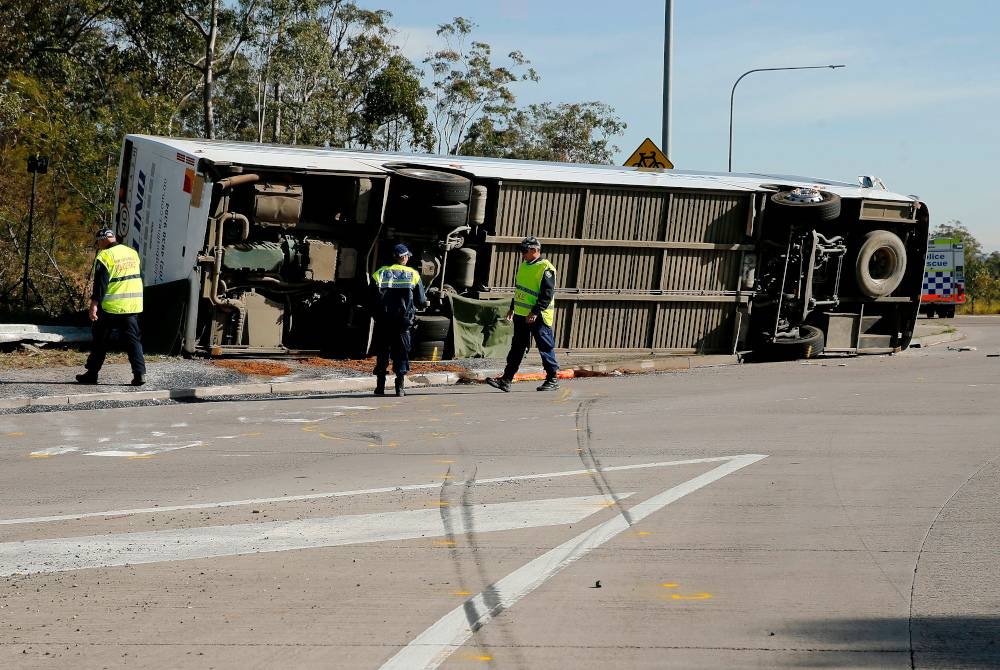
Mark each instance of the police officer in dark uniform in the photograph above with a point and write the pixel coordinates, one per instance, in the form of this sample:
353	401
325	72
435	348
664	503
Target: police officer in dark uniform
398	291
532	311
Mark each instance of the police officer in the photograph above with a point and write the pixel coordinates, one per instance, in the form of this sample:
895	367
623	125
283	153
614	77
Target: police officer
115	303
398	291
532	311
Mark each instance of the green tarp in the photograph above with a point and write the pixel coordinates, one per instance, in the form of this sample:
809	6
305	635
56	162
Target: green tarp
480	328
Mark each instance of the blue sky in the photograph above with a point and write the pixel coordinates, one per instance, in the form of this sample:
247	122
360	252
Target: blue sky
916	105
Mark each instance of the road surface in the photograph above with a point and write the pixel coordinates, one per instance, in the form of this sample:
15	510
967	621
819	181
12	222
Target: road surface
839	513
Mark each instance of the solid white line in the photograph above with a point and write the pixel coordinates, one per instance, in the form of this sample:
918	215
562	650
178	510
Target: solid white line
429	649
101	551
343	494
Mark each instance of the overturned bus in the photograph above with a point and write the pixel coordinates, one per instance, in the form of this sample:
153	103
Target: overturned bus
256	249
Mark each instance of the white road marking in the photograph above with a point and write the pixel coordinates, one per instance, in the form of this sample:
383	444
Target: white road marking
102	551
53	451
142	450
429	649
345	494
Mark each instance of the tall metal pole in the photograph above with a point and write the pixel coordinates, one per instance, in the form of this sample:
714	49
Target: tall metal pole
668	46
27	244
732	94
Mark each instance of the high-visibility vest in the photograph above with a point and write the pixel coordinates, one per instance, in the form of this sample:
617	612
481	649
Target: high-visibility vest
395	276
124	294
527	284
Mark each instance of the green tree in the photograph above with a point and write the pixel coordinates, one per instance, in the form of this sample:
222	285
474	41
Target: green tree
394	115
569	132
467	86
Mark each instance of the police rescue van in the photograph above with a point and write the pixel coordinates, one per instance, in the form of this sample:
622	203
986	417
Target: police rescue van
944	278
260	249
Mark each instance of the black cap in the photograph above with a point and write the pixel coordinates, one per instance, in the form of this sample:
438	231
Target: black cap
530	242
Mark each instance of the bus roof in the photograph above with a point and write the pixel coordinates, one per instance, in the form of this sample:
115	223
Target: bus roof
371	162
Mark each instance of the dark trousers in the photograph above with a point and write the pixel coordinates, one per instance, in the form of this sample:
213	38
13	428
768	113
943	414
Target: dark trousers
392	340
544	339
127	326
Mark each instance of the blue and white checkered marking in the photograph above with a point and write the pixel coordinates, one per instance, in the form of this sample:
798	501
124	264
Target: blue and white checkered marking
938	283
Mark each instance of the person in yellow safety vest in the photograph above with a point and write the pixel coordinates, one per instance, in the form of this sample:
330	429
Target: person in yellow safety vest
532	311
115	304
397	292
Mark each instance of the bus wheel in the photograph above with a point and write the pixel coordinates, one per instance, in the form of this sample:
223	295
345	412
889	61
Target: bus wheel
806	206
432	327
948	312
808	343
432	185
881	263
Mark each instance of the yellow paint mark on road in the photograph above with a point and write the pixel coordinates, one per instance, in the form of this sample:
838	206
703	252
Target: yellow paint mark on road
643	533
16	433
476	657
38	455
445	461
445	543
461	593
327	436
310	429
447	476
392	445
140	457
439	503
669	585
690	596
251	434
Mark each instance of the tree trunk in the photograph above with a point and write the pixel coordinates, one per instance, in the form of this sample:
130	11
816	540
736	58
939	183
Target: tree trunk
207	92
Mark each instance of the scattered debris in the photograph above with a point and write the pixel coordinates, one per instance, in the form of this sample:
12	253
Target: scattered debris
260	368
597	584
961	348
366	365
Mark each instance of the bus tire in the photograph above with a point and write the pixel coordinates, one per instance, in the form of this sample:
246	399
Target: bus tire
448	216
808	343
429	350
432	328
806	213
432	185
881	264
947	312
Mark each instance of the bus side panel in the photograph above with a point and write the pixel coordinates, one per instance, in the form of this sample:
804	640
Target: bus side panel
153	219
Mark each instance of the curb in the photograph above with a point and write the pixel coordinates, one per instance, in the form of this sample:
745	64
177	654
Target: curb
940	338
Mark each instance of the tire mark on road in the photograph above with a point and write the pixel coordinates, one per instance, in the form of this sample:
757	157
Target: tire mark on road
584	436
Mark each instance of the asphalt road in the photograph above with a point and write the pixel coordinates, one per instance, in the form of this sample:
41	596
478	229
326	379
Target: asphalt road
840	513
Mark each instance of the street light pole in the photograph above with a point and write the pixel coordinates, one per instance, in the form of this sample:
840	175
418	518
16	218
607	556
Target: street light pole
732	94
668	49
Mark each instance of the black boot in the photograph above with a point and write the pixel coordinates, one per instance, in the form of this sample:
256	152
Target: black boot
499	383
87	377
379	384
550	384
399	386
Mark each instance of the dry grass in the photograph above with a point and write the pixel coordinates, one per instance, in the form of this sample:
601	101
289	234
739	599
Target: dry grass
981	307
26	359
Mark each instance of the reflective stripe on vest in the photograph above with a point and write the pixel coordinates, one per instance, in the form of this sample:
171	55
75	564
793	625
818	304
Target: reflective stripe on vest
527	285
395	276
124	294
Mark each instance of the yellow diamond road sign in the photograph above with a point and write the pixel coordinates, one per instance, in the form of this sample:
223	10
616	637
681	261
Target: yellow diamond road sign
648	155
